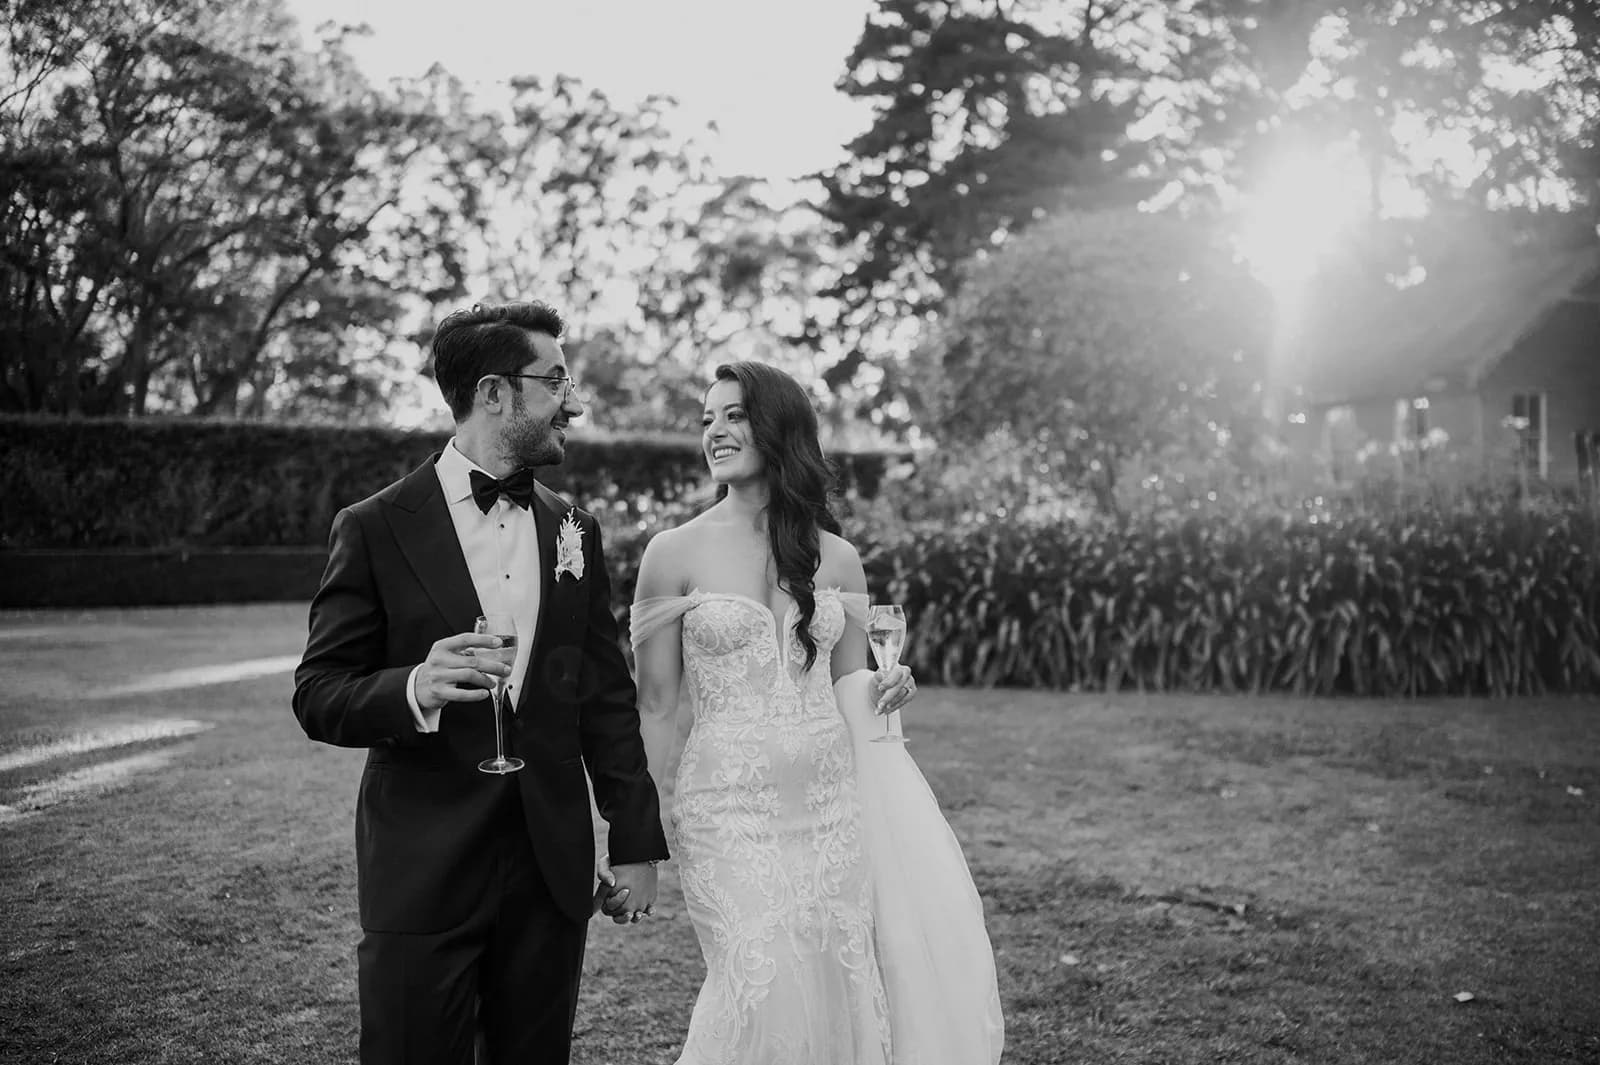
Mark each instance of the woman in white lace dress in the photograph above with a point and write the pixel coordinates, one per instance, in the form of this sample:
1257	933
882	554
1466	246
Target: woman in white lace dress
837	918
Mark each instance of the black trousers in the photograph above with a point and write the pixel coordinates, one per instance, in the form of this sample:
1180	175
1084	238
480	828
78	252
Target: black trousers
508	974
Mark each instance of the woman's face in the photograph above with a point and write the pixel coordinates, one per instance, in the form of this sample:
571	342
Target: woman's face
726	437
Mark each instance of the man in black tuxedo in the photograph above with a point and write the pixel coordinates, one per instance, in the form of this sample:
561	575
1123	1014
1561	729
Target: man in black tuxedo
475	890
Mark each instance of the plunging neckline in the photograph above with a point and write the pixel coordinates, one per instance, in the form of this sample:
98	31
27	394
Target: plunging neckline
776	624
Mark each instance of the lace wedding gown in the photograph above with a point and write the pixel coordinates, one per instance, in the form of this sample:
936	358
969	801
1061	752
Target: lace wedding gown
833	906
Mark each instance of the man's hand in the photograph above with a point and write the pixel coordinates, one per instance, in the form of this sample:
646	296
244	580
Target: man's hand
452	674
892	689
627	893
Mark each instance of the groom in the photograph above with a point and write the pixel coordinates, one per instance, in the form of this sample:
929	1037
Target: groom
474	889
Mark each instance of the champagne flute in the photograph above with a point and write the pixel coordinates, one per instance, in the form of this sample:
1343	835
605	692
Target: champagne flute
886	633
502	627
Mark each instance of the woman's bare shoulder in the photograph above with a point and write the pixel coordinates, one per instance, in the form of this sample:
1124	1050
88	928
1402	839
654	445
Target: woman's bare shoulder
662	567
673	556
840	565
837	548
684	530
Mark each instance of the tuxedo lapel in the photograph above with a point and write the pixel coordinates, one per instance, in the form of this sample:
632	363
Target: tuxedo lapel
547	512
548	509
420	518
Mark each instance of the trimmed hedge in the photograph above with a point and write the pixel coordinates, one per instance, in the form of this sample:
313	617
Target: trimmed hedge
44	578
1494	598
1492	601
168	483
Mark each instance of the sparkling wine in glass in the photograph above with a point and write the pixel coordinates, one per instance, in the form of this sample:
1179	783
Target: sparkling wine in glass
502	626
886	633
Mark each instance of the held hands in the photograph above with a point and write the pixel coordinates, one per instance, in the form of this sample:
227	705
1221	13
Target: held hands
627	893
451	674
892	689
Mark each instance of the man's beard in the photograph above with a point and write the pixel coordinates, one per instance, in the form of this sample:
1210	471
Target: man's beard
528	441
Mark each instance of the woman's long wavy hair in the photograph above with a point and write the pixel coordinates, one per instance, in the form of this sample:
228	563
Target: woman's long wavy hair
800	481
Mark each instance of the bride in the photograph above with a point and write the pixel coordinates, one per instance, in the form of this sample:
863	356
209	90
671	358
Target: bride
836	914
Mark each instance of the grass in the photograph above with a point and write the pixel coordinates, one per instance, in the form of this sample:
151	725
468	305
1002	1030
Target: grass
1168	880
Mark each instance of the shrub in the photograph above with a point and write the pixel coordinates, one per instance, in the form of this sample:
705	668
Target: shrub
159	483
1494	600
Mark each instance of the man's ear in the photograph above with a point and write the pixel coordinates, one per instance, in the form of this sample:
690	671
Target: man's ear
489	391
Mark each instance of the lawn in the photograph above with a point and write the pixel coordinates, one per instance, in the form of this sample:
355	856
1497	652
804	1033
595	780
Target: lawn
1168	879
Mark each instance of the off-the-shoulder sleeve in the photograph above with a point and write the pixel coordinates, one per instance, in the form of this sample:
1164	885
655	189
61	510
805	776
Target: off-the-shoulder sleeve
649	616
855	606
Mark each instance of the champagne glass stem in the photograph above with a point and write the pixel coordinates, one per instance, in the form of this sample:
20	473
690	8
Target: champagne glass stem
499	728
888	730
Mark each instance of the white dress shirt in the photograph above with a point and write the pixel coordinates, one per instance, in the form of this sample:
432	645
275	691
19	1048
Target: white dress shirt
502	552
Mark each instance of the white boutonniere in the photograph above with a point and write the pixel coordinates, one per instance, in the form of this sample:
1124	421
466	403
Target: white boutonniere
569	547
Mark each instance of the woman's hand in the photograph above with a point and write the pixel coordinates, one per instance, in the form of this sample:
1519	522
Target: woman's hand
892	689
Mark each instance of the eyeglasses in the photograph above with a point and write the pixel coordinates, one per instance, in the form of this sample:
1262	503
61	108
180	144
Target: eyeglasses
560	385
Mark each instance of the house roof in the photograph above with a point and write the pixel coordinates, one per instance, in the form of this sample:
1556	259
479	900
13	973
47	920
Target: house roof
1439	335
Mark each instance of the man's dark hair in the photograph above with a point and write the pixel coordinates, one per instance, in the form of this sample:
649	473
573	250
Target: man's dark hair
488	338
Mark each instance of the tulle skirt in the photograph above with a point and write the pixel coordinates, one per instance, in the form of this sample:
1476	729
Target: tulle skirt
932	946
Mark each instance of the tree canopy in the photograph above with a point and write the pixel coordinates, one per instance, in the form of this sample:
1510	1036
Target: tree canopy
201	215
1098	337
188	204
204	214
1478	117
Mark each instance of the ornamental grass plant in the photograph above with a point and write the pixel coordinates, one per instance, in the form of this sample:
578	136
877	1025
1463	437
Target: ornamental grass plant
1376	588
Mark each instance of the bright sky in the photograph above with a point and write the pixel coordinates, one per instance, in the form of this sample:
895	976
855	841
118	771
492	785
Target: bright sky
763	70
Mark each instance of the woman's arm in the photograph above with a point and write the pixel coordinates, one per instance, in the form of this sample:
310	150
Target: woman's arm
891	689
658	661
843	565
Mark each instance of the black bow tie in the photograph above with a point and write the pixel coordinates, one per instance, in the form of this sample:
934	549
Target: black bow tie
518	488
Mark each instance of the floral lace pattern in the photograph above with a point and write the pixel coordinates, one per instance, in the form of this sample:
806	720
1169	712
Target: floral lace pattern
767	832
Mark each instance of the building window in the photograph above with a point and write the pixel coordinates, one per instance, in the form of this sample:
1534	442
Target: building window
1411	428
1341	442
1417	421
1528	419
1588	444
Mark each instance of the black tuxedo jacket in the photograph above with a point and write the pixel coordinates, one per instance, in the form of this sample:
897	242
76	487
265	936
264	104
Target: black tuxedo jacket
426	819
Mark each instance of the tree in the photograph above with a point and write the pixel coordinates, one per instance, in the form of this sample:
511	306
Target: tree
203	216
660	265
1096	338
1459	110
51	277
992	116
743	280
578	195
989	116
186	188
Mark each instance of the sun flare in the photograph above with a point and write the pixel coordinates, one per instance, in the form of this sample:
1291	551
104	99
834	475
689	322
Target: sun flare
1301	209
